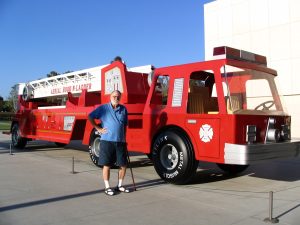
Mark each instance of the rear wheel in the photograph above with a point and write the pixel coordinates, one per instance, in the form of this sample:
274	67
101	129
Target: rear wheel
232	168
16	139
173	157
94	147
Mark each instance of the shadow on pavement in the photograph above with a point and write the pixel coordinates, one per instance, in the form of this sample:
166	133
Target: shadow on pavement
30	147
141	162
280	170
209	173
144	184
288	211
4	147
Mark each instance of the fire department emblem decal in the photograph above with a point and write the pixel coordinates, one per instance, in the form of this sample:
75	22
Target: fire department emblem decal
206	133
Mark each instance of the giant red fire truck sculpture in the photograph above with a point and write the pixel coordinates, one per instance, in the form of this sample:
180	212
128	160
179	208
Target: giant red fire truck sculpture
227	111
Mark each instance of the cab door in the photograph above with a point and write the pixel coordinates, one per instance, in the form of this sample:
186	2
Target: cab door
202	118
206	133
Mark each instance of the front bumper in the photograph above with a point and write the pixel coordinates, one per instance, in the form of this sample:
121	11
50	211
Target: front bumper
252	153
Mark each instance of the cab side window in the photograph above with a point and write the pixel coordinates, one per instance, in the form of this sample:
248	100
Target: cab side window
201	99
160	93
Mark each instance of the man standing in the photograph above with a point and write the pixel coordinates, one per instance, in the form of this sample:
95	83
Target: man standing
113	117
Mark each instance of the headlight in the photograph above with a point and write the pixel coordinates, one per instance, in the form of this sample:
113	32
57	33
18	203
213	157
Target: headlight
250	134
273	135
286	132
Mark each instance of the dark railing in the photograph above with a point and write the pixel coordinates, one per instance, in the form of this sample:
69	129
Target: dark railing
5	120
6	116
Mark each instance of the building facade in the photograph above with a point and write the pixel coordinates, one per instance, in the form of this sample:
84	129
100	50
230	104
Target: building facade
266	27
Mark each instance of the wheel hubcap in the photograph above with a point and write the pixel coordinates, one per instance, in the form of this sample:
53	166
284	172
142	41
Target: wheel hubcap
96	147
169	157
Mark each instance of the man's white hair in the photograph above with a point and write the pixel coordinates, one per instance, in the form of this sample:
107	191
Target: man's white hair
116	91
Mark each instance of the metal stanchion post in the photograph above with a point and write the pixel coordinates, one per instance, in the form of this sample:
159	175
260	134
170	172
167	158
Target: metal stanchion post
270	219
10	149
73	165
129	165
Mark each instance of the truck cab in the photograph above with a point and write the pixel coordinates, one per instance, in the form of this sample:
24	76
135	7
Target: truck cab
227	111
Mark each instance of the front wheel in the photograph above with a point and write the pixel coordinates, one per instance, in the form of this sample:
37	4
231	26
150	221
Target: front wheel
16	138
173	157
94	147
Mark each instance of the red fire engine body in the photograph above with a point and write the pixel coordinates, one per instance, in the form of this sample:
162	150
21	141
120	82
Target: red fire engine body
227	111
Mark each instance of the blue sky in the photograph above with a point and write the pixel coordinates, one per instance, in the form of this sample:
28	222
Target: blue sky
38	36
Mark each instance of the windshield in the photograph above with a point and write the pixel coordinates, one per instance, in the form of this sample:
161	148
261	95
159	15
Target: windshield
249	91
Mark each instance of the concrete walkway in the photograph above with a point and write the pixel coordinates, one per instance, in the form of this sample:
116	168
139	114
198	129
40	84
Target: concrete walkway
38	188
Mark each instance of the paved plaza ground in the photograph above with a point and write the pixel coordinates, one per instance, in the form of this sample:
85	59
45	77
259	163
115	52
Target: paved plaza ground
37	187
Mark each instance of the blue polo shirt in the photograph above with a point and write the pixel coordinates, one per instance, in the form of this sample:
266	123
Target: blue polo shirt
114	120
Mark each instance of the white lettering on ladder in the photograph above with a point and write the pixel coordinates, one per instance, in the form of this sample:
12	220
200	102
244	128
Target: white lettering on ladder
72	88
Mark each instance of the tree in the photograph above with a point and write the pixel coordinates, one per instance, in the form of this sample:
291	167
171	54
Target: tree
52	74
1	103
13	97
7	106
10	103
68	71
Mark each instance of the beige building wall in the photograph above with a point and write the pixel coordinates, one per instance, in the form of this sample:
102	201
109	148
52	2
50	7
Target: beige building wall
266	27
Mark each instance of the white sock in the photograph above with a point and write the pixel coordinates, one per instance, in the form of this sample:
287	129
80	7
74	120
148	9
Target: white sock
120	183
106	183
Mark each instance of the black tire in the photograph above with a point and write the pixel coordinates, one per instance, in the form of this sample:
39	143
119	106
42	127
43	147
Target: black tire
150	156
16	140
94	147
59	144
173	157
232	168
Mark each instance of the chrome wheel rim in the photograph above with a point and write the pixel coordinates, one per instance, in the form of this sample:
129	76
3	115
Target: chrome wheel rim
169	157
96	147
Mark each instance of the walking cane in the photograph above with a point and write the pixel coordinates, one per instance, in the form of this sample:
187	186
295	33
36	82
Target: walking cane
128	159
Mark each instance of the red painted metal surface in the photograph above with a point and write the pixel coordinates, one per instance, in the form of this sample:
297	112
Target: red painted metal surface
208	132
